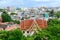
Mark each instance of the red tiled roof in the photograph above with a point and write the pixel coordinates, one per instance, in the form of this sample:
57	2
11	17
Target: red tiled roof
41	23
26	24
45	23
22	25
0	19
11	28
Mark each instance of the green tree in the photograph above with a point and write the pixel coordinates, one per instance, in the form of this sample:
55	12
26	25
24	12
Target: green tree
12	35
13	14
51	13
57	14
3	35
1	10
16	21
15	35
5	17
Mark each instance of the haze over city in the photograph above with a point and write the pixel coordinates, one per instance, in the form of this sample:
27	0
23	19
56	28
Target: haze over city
29	3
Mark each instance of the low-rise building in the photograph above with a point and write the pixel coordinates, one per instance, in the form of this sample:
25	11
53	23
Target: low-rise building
29	26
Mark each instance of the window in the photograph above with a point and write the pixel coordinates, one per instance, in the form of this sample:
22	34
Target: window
27	31
23	31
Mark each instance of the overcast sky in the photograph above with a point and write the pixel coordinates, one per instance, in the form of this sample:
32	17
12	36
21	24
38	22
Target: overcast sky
29	3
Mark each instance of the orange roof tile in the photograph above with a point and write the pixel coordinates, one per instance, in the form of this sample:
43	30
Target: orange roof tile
26	24
11	28
22	25
45	23
41	23
0	19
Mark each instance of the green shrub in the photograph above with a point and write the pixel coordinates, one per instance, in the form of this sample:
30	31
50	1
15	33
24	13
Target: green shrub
11	35
3	35
55	31
12	13
58	14
52	22
16	21
14	35
5	17
37	38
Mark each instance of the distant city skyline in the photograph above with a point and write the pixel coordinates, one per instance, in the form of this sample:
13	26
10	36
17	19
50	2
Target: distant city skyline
29	3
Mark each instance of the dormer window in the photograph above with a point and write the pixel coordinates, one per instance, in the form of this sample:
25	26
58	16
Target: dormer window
27	31
23	31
